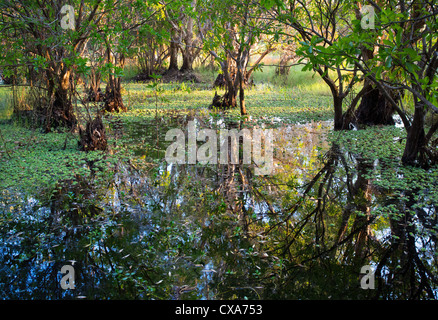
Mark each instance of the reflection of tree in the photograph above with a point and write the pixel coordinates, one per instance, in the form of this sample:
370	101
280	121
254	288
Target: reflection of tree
328	233
218	231
407	268
320	211
359	198
112	255
235	268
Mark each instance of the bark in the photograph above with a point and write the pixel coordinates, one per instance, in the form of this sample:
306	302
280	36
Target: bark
374	109
113	99
93	137
173	54
113	95
242	95
229	99
219	82
187	65
188	52
94	92
414	153
60	111
283	68
339	119
362	200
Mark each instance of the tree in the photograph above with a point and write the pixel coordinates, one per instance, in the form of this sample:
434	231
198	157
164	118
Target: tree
51	37
396	56
319	26
410	56
32	23
181	16
191	47
55	35
236	34
374	107
152	49
118	36
96	60
406	62
287	54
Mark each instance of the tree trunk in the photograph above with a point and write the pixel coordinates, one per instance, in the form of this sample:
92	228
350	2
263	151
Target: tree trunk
362	199
113	94
414	153
337	104
94	92
173	52
283	68
374	109
60	112
242	95
187	65
93	137
188	52
229	99
113	99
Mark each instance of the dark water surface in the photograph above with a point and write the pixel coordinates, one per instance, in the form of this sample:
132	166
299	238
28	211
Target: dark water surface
167	231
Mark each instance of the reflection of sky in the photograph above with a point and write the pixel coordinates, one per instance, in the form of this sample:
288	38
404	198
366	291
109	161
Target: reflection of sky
164	193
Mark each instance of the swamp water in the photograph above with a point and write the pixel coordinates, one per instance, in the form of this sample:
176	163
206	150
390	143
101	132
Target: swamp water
139	228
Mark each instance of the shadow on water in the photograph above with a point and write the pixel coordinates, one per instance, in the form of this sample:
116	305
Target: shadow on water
218	231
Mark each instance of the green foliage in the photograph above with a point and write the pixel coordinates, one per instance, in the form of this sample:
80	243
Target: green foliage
385	146
140	228
38	163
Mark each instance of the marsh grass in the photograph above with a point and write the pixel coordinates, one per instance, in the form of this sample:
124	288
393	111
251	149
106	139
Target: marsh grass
6	107
303	98
43	163
305	81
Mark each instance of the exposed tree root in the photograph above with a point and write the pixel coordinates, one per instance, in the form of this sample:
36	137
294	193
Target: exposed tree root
113	101
93	137
95	95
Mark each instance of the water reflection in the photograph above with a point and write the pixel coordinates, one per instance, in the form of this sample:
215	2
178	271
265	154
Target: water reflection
218	231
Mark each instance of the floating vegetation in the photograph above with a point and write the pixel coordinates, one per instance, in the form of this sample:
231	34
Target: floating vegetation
136	227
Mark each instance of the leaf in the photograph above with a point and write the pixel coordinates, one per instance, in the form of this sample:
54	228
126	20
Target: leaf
398	38
388	62
410	67
268	4
412	54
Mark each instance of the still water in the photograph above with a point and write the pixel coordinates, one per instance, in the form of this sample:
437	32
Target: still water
167	231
